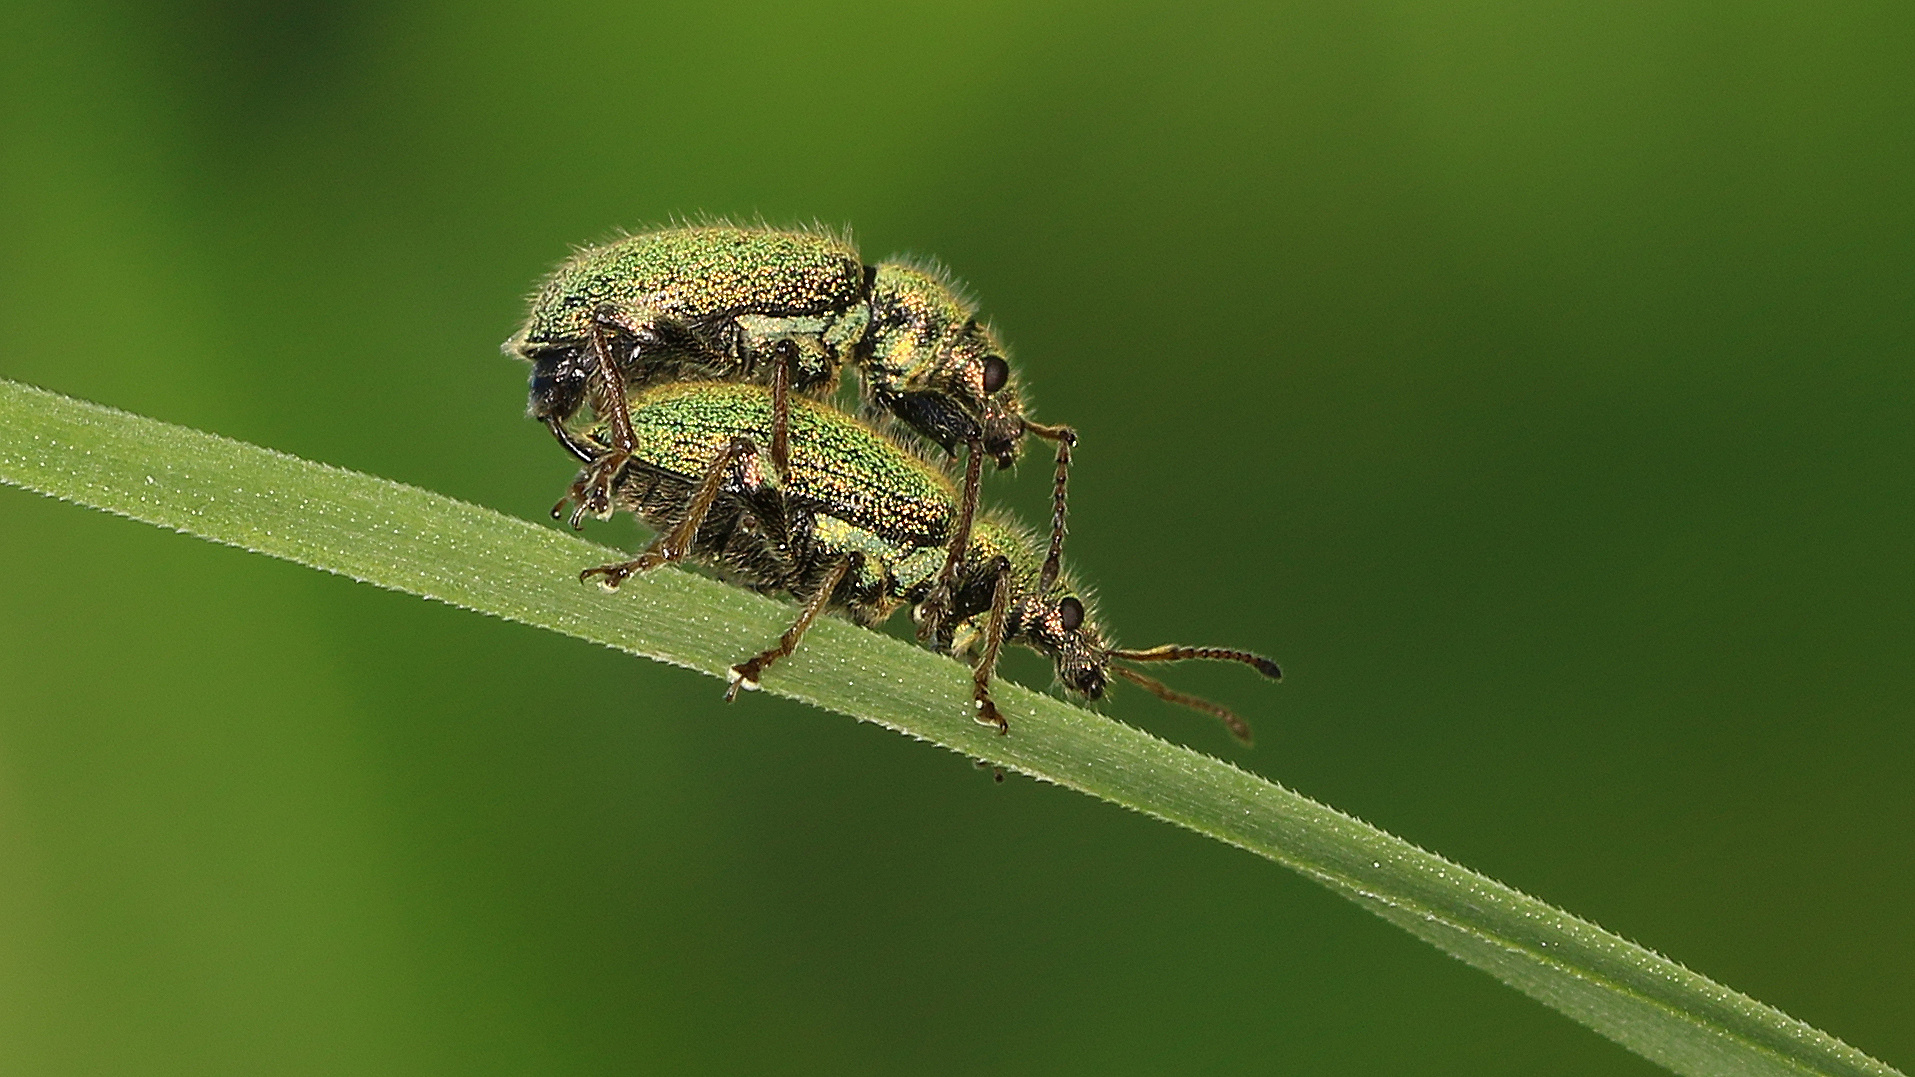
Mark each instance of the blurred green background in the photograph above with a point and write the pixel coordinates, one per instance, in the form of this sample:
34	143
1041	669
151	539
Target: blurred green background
1533	380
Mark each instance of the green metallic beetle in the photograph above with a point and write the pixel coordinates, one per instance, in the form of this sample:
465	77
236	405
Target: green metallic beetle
861	524
782	308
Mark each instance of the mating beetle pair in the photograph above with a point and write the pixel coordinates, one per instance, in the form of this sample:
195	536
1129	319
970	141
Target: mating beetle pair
787	309
688	344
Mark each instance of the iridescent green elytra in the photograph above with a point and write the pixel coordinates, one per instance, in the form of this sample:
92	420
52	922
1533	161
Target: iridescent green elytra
783	308
861	525
713	302
837	463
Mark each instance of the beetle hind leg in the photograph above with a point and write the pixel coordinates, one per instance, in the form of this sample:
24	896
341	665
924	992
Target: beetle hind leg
745	675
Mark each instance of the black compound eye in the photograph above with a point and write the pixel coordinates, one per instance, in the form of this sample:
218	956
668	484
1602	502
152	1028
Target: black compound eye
996	373
1071	613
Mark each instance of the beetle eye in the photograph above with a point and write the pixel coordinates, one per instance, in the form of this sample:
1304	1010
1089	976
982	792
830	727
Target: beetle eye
996	373
1071	612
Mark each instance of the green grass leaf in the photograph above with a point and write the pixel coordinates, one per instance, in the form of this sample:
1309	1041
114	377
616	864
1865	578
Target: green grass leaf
412	540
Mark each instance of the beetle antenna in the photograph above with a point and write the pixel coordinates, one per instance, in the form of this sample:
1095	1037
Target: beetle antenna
1237	726
1066	439
1171	652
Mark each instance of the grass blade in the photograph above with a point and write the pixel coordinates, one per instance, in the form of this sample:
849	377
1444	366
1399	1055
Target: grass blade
407	539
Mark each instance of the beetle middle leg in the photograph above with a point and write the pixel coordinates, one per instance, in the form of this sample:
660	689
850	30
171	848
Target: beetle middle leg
675	544
745	675
784	357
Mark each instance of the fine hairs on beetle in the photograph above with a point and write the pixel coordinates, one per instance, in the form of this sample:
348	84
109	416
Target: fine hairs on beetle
784	308
857	523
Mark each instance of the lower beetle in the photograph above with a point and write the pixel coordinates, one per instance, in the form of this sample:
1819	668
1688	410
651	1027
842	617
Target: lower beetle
861	525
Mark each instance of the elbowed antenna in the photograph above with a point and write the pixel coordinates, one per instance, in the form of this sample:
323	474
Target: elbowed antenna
1171	652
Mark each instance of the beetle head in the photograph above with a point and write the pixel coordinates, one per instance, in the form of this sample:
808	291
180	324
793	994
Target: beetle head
935	366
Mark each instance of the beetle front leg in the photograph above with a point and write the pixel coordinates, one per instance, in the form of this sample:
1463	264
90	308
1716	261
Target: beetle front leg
994	629
1066	439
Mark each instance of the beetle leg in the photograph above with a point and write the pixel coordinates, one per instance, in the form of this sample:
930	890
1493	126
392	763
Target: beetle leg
673	545
1066	439
745	675
591	493
783	359
937	602
987	712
